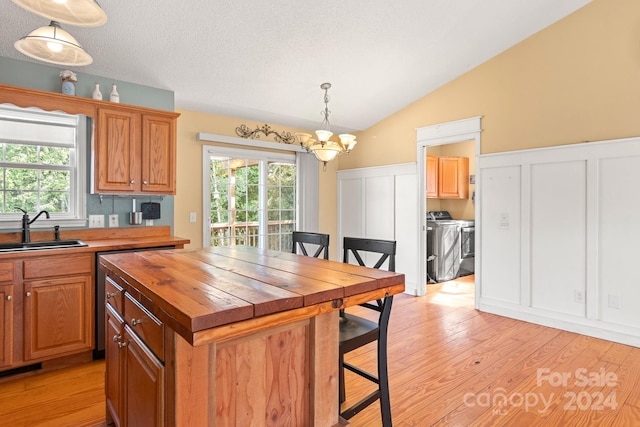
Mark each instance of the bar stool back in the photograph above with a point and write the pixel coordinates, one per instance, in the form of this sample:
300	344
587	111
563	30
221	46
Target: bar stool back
300	238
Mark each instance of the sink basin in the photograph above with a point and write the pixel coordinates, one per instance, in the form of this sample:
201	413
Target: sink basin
48	244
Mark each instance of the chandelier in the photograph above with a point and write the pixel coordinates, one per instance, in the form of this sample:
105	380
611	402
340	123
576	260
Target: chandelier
323	148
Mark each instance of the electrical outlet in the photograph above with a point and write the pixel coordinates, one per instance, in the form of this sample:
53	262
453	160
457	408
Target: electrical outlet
614	302
148	223
578	296
192	217
96	221
113	220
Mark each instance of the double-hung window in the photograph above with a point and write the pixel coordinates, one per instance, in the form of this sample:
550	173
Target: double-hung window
42	165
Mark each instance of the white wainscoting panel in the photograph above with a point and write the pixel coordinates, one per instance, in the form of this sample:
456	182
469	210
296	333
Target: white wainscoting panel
380	203
619	237
500	222
560	237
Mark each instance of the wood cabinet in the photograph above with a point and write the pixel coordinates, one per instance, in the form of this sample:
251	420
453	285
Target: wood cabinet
47	308
135	152
7	301
134	148
134	381
447	177
432	176
6	330
114	364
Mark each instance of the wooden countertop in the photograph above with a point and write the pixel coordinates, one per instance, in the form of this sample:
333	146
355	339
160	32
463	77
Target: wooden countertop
196	290
97	240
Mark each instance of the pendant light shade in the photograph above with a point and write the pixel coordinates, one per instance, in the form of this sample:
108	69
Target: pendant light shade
54	45
81	13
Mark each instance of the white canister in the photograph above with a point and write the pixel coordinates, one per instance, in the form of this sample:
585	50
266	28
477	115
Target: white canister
96	92
114	96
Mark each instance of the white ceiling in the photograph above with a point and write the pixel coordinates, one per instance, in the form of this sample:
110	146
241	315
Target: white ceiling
265	60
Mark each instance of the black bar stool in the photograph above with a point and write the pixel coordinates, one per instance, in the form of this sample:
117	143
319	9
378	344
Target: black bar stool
356	331
300	238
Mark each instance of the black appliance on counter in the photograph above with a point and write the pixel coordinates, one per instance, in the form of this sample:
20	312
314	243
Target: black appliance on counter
450	246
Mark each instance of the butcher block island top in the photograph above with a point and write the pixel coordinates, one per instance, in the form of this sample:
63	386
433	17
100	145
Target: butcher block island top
196	290
250	336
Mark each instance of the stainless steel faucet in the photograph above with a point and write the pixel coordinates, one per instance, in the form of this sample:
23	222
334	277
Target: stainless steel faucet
26	233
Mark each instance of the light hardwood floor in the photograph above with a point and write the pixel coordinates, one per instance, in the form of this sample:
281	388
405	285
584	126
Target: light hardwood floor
449	365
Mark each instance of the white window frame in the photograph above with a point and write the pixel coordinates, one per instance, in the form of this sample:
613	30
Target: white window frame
78	183
238	153
307	177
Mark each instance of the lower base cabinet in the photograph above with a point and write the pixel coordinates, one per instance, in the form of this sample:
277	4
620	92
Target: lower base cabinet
134	381
144	382
58	316
6	330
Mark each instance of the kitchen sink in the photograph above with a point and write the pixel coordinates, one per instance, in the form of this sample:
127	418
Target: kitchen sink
48	244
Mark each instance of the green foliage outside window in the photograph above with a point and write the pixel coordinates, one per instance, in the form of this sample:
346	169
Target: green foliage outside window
34	178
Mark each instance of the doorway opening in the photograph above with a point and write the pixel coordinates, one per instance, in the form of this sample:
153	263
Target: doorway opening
458	138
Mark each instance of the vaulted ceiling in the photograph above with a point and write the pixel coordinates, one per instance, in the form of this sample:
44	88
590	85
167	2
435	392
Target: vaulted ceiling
265	60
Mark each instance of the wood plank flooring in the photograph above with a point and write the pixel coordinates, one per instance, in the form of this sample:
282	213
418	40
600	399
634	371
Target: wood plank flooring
449	365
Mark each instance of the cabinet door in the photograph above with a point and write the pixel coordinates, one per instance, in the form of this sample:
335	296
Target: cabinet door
6	327
58	316
453	177
144	384
114	362
158	154
432	176
116	151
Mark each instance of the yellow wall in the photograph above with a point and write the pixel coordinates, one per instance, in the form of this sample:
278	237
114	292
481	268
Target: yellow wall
189	172
575	81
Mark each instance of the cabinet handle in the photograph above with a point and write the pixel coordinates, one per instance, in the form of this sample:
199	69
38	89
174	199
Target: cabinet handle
145	182
111	295
135	322
116	338
28	294
122	344
132	182
9	297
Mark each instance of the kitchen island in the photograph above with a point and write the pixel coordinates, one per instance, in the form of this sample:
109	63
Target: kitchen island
228	336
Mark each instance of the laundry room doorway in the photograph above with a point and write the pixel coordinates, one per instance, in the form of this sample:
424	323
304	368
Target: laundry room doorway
447	155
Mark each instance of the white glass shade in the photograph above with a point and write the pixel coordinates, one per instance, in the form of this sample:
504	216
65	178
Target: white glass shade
304	139
327	152
348	140
323	135
54	45
82	13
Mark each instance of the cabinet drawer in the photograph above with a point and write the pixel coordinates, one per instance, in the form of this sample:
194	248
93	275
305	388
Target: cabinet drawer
6	272
49	266
146	325
114	295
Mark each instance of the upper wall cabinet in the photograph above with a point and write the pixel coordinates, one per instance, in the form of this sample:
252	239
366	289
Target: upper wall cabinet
134	149
135	152
447	177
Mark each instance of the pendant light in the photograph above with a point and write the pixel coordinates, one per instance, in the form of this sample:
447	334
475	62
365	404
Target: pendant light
81	13
54	45
323	148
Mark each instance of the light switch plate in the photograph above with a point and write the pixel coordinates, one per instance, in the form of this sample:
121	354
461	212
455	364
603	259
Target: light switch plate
96	221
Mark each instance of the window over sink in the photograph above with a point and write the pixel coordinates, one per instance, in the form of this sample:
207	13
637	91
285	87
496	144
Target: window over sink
42	166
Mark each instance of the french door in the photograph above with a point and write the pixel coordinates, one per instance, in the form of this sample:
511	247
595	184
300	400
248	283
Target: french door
249	198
